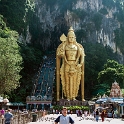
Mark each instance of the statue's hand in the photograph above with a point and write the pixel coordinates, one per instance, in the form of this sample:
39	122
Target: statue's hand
79	66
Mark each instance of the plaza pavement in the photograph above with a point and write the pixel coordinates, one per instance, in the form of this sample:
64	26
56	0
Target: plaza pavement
78	121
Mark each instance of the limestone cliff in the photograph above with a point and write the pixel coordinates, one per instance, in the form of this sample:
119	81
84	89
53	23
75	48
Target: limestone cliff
93	21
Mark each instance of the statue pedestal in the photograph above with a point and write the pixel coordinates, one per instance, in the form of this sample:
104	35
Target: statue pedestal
65	102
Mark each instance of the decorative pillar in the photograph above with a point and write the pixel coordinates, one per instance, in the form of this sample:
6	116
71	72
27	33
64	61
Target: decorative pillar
37	106
40	106
43	106
30	106
50	105
118	111
34	106
122	112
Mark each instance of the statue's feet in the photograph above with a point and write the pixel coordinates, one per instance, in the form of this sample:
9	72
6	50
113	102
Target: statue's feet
74	99
68	99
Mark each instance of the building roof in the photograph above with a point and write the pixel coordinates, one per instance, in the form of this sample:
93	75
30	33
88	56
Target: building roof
15	104
111	100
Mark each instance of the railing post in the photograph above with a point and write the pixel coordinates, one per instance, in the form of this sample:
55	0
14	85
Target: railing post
30	116
18	118
23	118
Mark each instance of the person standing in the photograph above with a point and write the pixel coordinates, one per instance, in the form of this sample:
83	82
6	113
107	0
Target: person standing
85	113
116	113
8	117
80	114
2	111
64	118
113	113
102	115
94	114
97	115
68	111
53	111
77	113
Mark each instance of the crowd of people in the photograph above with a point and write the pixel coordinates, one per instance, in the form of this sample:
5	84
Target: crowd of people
97	114
6	115
43	85
103	114
65	117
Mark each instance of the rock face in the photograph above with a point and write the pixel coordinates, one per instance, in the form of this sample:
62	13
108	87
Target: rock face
93	20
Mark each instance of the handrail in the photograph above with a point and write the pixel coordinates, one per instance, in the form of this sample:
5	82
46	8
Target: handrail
24	118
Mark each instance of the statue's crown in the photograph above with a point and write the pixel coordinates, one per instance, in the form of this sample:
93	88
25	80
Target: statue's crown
71	31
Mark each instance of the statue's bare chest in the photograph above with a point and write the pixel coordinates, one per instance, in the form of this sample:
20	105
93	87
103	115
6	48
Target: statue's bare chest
71	52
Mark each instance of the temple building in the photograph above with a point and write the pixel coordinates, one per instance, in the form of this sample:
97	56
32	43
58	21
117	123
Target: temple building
115	90
115	101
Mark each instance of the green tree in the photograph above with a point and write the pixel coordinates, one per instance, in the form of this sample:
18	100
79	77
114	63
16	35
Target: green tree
32	58
97	19
101	89
112	71
17	13
10	59
96	57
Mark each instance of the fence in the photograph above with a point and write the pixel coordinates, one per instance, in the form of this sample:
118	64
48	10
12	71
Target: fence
23	118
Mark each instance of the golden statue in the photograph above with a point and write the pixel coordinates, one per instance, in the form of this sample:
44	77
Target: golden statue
70	66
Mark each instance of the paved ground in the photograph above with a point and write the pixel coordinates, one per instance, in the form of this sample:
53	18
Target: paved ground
49	119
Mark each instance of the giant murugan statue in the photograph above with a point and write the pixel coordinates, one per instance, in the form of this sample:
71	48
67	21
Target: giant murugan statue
70	66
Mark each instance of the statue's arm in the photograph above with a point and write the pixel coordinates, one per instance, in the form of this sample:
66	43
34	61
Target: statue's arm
81	62
82	57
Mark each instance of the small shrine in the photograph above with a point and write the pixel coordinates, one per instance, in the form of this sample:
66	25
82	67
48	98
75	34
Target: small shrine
114	101
115	90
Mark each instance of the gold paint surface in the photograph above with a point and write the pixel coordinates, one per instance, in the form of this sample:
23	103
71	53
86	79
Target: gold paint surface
70	66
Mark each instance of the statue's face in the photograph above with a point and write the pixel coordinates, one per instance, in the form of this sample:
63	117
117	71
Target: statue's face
71	38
